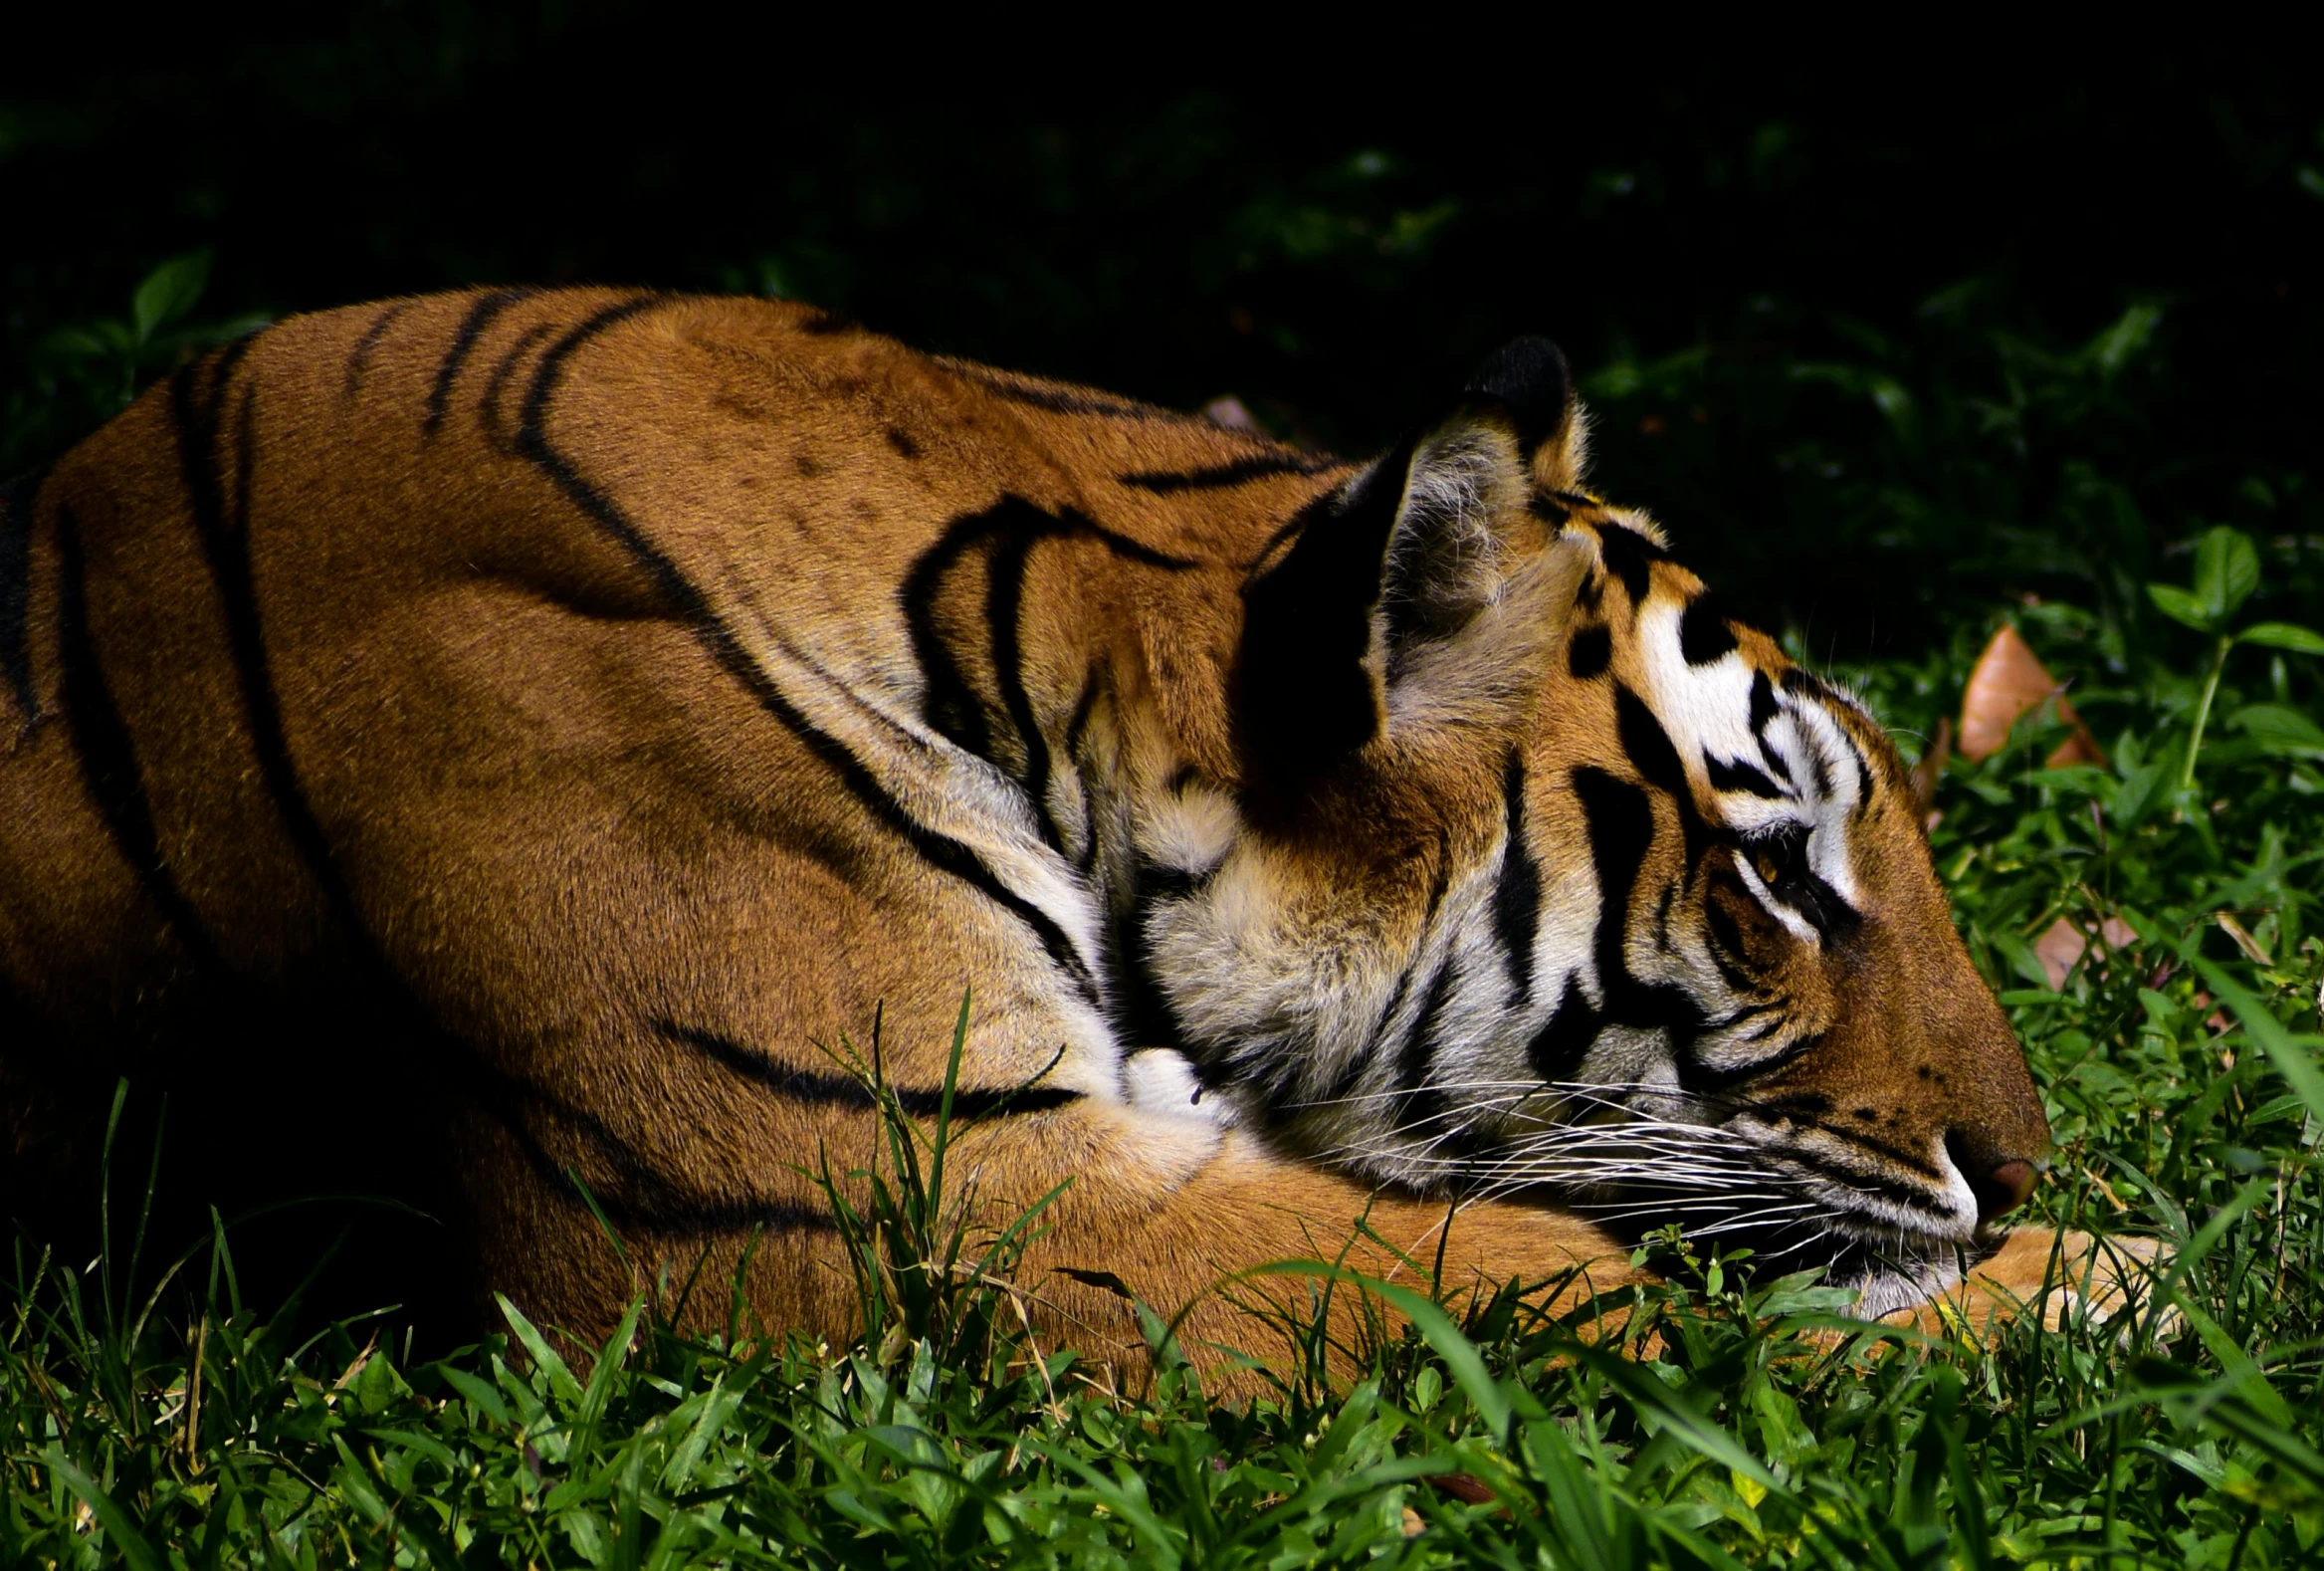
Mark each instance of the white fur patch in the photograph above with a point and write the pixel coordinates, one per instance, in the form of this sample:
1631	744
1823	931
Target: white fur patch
1161	1081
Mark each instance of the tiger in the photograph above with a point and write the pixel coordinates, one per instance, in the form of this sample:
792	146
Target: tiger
589	726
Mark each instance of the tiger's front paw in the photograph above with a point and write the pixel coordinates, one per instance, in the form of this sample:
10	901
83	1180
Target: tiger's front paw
2068	1274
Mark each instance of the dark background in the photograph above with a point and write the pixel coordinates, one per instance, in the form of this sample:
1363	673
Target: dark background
1887	345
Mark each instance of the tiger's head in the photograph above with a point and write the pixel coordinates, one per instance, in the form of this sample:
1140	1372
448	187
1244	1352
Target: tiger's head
1544	877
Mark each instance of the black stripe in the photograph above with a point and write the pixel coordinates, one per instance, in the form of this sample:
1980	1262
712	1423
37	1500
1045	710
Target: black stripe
1219	477
18	499
481	313
1076	732
1657	759
1763	706
1724	942
359	359
108	754
646	1202
1881	1148
1847	1177
1352	1071
1800	682
1563	1040
1125	548
1517	895
108	759
1792	1106
1276	537
1735	1017
222	524
1628	554
1083	707
1140	1009
1703	632
1726	776
1620	822
1700	1077
1423	1102
1817	767
941	851
1061	399
1151	881
1647	744
839	1090
948	703
1417	1052
207	380
489	405
1591	652
1802	685
642	1200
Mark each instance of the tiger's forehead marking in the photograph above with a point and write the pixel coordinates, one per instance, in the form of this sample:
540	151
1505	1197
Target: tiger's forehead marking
1763	743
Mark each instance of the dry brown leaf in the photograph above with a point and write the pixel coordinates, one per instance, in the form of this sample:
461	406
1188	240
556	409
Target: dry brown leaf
2007	680
1466	1488
2062	943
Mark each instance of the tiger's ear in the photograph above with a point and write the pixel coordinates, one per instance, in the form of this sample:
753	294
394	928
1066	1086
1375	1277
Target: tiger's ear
1528	376
1395	569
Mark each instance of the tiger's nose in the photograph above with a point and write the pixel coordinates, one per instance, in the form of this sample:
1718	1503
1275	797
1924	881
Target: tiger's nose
1998	1182
2003	1188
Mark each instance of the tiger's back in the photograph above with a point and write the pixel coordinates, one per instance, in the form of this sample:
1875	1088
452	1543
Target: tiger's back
578	713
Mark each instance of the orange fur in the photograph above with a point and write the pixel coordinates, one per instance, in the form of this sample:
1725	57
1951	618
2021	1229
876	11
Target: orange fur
523	688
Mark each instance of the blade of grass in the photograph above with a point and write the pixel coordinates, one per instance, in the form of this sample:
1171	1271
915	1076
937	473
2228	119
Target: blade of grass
119	1525
2288	1052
